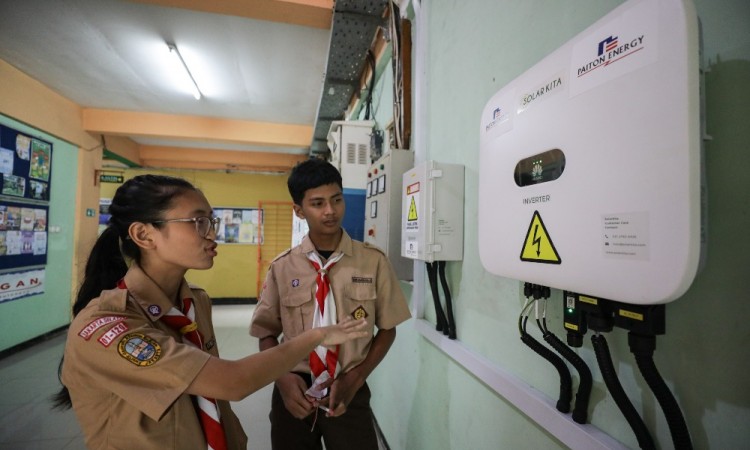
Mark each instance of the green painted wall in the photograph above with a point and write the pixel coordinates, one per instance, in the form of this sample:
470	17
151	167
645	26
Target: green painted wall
26	318
424	400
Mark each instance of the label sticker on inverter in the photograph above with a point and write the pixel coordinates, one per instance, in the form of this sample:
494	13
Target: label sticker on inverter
538	246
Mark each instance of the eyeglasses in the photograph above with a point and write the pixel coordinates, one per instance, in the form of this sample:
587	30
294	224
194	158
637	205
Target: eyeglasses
203	224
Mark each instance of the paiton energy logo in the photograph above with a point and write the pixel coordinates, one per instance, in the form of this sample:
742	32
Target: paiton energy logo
609	50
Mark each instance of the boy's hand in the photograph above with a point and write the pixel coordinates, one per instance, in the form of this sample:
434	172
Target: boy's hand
343	390
292	389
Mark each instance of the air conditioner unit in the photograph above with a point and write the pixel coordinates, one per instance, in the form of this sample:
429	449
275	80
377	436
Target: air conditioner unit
349	142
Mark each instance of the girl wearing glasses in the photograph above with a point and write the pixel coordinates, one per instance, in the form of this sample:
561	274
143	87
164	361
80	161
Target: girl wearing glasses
141	365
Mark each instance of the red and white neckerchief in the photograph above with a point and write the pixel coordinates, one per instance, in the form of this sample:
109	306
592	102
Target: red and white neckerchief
208	410
321	358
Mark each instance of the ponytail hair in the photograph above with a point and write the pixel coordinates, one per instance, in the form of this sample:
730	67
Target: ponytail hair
144	199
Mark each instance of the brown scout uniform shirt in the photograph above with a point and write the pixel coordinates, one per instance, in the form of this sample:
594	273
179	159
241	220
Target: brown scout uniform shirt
363	284
127	371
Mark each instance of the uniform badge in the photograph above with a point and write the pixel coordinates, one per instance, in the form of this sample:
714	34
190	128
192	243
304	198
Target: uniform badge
364	280
109	337
210	344
295	282
139	349
359	313
89	330
154	310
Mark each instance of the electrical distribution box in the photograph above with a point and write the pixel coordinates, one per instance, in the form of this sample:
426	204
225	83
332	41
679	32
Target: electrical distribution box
432	220
589	168
383	208
349	142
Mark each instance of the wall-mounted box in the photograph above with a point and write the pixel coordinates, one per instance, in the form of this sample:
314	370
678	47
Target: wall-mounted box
432	221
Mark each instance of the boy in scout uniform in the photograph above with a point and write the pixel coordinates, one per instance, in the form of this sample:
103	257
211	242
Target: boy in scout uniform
327	278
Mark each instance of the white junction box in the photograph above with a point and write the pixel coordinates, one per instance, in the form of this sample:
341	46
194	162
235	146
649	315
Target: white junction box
383	208
349	142
432	221
589	168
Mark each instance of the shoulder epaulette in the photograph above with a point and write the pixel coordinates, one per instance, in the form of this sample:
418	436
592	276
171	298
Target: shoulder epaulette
374	247
113	300
281	255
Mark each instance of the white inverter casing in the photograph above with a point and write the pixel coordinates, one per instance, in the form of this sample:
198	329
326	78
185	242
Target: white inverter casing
589	171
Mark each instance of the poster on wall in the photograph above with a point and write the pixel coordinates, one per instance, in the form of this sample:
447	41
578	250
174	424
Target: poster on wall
239	225
15	285
25	170
23	234
25	165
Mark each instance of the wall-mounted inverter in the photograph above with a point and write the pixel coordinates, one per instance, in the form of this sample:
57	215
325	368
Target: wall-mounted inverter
589	173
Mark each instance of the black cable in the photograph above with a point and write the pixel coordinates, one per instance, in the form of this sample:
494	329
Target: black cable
604	359
580	409
368	100
442	322
448	301
581	405
566	381
643	348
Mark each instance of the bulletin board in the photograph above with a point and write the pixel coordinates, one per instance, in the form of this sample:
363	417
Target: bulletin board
239	225
25	170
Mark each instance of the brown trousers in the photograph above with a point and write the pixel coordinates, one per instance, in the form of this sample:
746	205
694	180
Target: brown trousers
353	430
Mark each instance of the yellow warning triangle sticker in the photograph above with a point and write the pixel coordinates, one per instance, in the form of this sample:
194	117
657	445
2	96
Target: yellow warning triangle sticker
538	246
412	211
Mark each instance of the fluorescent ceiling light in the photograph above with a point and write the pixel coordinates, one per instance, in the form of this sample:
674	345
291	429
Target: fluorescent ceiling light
181	62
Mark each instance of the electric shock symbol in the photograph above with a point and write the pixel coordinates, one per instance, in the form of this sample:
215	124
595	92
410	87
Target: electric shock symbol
538	246
412	210
537	241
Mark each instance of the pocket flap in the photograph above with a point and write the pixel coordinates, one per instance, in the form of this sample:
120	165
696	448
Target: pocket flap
361	292
296	299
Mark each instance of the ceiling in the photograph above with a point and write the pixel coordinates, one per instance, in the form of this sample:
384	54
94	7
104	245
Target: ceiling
261	65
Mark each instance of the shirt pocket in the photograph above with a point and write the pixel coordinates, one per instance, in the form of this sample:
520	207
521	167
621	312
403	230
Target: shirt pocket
297	310
361	299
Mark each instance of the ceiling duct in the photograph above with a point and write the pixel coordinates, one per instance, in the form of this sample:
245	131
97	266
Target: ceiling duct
355	23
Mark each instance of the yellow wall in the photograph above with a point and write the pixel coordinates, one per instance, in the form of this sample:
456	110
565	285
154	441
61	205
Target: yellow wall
235	271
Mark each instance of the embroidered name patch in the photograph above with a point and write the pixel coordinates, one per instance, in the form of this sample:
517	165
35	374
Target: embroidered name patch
361	280
139	349
109	337
88	331
359	313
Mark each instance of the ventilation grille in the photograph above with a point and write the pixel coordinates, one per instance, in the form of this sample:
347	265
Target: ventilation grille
356	154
